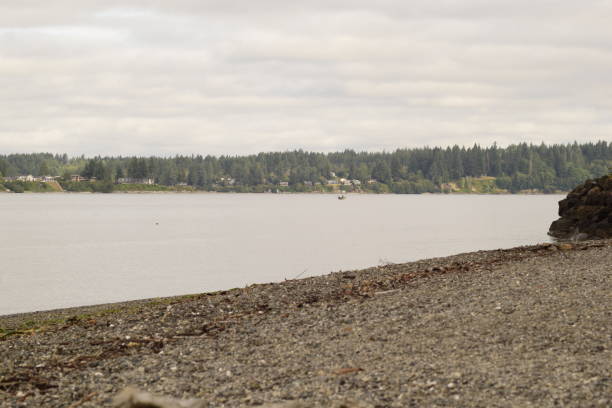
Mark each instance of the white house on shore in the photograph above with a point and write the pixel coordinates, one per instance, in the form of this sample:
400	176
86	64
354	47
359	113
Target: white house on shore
228	181
130	180
28	177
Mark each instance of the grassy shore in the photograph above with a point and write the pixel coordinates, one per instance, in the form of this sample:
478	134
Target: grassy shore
528	326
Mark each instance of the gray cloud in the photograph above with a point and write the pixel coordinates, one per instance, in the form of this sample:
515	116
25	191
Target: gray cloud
151	77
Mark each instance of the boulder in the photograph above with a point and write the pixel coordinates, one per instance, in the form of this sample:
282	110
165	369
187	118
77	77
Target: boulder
586	212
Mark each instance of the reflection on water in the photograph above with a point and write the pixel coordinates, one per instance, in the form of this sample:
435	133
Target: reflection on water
60	250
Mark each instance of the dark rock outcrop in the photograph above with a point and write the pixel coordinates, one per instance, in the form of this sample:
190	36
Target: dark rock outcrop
586	212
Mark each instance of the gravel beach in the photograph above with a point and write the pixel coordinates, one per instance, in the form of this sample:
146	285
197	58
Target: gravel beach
523	327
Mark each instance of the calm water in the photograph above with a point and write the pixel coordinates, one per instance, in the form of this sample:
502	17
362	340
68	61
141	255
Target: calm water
60	250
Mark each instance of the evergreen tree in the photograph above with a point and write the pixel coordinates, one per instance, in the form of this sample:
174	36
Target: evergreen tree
516	167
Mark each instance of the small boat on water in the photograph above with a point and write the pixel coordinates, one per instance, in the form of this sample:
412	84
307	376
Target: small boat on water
341	197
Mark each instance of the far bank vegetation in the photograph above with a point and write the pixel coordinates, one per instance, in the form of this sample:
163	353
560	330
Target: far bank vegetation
521	168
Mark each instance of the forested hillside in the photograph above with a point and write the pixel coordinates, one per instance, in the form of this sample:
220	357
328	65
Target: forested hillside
514	168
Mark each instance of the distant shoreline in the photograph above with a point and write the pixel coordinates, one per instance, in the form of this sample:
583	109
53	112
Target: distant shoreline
477	185
289	192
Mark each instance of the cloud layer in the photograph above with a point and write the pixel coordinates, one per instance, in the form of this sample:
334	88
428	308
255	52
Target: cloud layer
235	77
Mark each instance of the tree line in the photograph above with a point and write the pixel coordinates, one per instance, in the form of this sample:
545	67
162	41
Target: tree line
416	170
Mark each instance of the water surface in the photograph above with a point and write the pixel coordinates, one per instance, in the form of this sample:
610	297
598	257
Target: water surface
61	250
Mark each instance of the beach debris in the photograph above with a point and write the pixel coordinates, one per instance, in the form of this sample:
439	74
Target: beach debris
386	292
333	404
83	400
133	398
347	370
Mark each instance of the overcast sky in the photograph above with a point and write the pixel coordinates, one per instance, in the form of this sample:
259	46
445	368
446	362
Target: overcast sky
235	77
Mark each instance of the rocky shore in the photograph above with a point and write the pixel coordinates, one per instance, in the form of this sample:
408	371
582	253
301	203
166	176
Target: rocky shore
586	213
529	326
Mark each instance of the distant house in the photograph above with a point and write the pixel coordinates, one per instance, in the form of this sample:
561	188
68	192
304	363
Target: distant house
77	178
283	183
18	178
345	182
228	181
29	177
372	181
356	182
130	180
332	182
307	183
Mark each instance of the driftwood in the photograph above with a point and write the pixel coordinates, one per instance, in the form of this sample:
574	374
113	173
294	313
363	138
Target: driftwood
133	398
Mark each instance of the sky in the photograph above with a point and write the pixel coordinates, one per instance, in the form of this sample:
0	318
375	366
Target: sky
135	77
